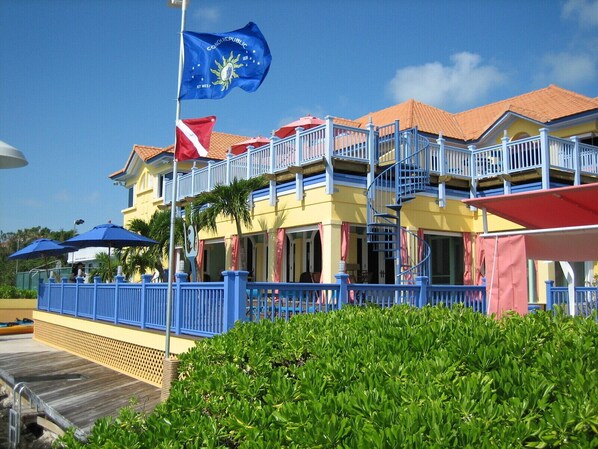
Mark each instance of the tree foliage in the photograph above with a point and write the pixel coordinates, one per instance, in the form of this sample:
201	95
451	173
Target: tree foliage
11	242
227	201
141	259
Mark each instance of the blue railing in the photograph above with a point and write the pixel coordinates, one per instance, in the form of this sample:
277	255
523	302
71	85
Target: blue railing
205	309
585	301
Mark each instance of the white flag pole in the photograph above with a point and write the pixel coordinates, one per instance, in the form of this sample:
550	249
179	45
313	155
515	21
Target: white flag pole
171	259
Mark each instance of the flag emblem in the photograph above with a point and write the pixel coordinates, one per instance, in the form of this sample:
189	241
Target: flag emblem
215	63
193	138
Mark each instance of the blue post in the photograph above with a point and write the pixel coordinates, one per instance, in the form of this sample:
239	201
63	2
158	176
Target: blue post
118	280
61	297
549	297
78	282
96	281
235	298
145	279
178	301
342	280
422	282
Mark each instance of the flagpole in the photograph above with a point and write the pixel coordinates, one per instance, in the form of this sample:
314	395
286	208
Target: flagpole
171	260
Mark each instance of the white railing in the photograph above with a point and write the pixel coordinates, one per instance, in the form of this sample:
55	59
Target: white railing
524	154
353	144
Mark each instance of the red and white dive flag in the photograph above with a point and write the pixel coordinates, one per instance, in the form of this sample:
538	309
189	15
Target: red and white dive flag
193	137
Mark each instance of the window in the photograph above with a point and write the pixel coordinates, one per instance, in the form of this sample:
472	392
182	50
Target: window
131	197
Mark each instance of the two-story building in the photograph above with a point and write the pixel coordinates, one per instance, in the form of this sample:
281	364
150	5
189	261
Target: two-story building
382	193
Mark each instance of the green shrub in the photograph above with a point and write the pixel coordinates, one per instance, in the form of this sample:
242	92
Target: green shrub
372	378
10	292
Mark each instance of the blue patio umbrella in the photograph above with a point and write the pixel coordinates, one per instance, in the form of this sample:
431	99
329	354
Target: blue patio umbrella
42	248
109	236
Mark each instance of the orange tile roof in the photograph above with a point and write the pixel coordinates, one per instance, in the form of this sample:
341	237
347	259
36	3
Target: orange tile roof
547	104
543	105
414	113
219	145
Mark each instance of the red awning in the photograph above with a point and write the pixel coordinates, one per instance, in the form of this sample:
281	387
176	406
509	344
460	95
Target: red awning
542	209
568	216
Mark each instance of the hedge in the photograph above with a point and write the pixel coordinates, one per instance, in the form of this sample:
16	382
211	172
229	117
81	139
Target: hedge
378	378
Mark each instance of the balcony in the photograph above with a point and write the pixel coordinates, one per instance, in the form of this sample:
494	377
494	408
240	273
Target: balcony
326	147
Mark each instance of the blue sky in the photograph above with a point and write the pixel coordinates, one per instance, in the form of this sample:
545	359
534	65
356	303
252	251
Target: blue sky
81	82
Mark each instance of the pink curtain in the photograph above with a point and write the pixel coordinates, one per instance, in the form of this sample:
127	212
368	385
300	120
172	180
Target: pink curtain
199	258
344	240
280	239
420	244
234	252
480	258
467	259
345	235
506	274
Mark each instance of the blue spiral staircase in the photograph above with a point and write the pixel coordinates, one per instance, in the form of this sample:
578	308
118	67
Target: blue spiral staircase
402	156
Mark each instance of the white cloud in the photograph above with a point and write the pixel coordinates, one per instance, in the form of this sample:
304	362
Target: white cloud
584	11
62	196
92	197
206	16
569	69
463	83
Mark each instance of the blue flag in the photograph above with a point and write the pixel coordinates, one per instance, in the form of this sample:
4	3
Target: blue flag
215	63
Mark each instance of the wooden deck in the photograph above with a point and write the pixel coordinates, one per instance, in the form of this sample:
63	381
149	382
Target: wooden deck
76	389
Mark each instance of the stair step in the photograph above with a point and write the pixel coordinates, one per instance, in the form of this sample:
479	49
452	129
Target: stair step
386	215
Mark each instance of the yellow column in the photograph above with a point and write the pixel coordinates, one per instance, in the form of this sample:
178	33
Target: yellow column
331	250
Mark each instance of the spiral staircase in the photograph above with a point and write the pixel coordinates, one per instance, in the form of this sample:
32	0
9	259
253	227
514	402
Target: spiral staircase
402	156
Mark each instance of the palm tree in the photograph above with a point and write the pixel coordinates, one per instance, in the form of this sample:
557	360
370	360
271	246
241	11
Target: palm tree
158	229
230	201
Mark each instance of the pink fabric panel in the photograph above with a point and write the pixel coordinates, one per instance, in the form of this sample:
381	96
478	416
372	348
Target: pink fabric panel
199	258
344	241
506	274
235	252
280	236
480	257
467	259
420	244
404	250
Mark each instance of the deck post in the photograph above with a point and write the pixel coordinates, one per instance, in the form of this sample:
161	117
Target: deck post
506	164
473	187
298	163
422	282
273	197
328	152
178	306
372	153
249	154
576	161
145	279
545	158
94	311
442	168
78	281
235	298
210	181
342	279
228	158
549	298
117	281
